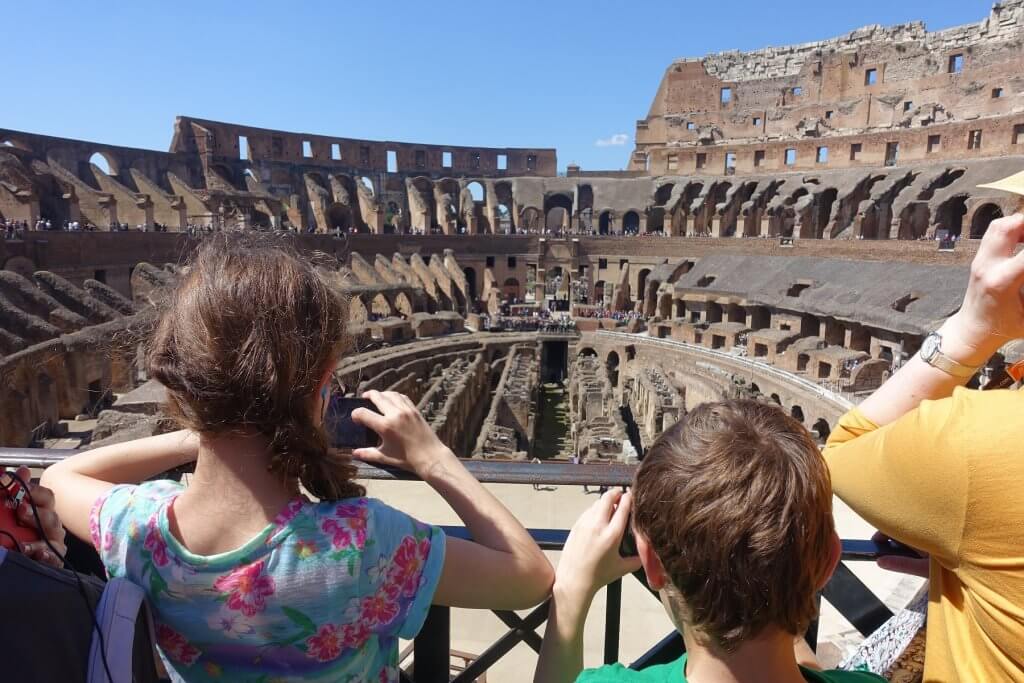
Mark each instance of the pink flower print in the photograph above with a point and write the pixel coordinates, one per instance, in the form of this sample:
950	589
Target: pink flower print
94	522
229	624
354	635
247	588
355	516
288	514
326	644
379	609
407	565
175	646
305	549
108	541
155	543
339	533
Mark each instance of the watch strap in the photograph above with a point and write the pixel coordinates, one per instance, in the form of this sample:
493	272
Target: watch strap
951	367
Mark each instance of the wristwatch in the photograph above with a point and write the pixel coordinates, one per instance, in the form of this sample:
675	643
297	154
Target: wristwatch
931	353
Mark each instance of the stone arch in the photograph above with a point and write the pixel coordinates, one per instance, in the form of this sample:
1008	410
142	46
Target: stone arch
368	184
530	218
380	306
823	211
641	283
754	389
797	413
477	191
587	352
503	203
403	304
821	429
604	223
557	211
777	399
585	206
951	214
611	363
631	221
105	161
983	216
357	312
339	217
511	289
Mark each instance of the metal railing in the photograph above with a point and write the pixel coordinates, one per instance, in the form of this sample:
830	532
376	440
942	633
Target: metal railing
432	649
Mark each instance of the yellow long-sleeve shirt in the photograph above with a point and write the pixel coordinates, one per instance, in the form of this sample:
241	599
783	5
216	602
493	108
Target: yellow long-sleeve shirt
947	478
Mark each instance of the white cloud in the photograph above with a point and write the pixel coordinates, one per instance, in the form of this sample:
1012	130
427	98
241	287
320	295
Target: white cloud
617	140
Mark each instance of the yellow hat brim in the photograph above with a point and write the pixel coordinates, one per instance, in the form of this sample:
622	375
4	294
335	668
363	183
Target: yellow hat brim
1013	184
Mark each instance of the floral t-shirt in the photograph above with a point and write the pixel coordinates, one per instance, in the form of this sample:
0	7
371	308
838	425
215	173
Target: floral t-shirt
322	594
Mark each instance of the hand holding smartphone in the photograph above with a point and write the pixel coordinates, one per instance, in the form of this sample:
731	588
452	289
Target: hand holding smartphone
343	431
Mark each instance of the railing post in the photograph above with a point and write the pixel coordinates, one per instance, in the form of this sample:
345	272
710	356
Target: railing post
432	647
613	612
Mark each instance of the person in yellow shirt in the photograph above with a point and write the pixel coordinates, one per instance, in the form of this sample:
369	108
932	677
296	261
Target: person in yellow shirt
940	467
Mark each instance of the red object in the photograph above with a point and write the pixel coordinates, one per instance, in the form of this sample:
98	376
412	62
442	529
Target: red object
10	498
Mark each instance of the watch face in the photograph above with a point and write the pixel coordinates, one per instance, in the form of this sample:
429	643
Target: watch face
930	346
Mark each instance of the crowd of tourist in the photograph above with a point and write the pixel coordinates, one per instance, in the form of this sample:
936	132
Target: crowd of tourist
729	516
603	313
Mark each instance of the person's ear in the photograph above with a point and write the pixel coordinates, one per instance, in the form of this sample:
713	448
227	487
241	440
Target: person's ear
653	568
835	552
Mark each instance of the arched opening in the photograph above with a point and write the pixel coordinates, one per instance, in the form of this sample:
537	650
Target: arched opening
755	390
599	293
557	211
777	399
14	144
530	218
104	163
380	307
604	223
368	184
503	200
801	362
823	211
821	429
585	202
641	284
339	217
612	364
470	274
982	218
631	223
477	191
403	305
951	215
798	413
587	352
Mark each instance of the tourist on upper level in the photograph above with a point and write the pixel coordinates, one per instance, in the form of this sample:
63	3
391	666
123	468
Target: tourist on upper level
939	467
247	578
732	518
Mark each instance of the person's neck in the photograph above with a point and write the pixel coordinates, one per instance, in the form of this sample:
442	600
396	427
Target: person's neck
768	658
231	474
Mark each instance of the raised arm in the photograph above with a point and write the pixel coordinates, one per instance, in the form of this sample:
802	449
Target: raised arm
502	567
78	481
991	315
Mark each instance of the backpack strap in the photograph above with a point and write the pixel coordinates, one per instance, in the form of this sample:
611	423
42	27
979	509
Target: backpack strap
119	609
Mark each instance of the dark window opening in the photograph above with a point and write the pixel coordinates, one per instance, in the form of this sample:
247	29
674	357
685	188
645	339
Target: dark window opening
902	303
797	289
822	155
490	261
757	121
855	150
871	77
790	157
100	276
956	63
705	280
908	105
726	95
421	159
511	261
997	93
934	142
474	160
974	140
702	159
1018	133
758	157
892	153
829	114
531	162
364	155
602	263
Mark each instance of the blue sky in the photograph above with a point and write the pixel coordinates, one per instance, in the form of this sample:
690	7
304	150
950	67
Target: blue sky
517	73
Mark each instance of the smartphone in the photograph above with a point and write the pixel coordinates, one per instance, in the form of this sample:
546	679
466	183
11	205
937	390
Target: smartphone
872	549
343	431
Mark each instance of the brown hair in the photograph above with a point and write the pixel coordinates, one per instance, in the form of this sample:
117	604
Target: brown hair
242	344
736	501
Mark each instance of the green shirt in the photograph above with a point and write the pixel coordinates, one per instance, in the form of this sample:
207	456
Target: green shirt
673	672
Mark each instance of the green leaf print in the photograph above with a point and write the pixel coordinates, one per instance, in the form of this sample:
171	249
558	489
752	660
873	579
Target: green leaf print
299	619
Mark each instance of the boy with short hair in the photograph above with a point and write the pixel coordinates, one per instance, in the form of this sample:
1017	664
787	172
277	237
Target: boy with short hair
732	512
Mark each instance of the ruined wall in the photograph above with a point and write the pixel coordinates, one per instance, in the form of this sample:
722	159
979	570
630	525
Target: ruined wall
898	93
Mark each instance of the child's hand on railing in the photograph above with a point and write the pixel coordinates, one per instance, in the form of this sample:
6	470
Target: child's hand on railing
407	441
